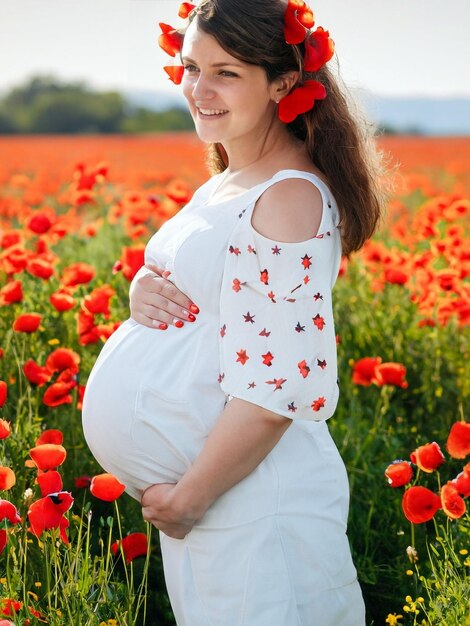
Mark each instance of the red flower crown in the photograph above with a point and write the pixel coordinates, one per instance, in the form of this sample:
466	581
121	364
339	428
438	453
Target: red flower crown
298	22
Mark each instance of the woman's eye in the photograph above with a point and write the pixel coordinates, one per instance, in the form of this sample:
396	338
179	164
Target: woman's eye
189	68
227	73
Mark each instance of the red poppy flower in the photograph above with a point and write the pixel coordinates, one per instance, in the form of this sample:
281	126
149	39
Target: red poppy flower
40	268
3	392
106	487
452	503
48	456
77	274
58	393
300	100
133	545
319	48
294	30
83	482
47	513
170	40
420	504
428	457
364	370
5	429
462	483
27	323
39	222
185	9
132	260
7	478
395	276
3	543
391	374
8	511
399	473
458	442
8	607
62	359
11	292
175	73
50	435
36	374
49	482
81	394
98	300
62	300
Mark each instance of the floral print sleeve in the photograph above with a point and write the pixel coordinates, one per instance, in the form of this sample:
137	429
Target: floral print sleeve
276	337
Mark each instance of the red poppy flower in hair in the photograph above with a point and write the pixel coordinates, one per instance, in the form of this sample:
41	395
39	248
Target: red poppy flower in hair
171	41
319	49
300	100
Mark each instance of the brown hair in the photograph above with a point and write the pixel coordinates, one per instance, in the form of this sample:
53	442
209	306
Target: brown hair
338	142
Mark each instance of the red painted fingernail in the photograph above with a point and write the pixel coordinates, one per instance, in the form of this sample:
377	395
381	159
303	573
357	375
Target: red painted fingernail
194	308
179	324
163	326
191	317
166	273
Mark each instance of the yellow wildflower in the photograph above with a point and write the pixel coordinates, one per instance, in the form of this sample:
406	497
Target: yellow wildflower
392	620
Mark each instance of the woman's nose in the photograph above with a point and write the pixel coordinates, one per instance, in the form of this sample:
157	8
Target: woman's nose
202	89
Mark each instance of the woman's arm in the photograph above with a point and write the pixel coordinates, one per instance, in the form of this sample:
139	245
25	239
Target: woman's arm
241	438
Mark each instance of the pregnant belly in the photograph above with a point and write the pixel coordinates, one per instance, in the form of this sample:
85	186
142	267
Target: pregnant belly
135	422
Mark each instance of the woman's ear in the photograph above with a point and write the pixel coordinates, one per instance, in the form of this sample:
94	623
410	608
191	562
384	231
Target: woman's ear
283	85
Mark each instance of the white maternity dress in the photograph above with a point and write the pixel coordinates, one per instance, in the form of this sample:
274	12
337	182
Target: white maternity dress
272	550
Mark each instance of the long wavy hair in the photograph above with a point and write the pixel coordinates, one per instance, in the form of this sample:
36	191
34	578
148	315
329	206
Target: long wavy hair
339	141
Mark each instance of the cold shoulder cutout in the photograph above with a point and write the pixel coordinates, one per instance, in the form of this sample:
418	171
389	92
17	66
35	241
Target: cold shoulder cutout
277	338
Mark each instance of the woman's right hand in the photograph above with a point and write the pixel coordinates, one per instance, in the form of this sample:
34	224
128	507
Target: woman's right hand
157	303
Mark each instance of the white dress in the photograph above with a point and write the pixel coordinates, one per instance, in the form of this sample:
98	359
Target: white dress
272	550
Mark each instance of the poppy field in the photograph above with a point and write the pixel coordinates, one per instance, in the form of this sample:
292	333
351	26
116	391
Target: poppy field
75	215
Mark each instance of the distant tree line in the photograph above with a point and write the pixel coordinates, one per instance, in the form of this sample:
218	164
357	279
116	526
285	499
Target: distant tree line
45	105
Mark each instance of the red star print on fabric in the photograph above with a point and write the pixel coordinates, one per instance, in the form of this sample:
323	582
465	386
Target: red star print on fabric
251	385
321	364
304	368
267	358
306	261
264	277
277	382
236	285
220	378
319	321
222	330
272	296
235	251
249	318
318	403
276	250
299	328
318	296
251	250
265	333
242	357
291	407
306	279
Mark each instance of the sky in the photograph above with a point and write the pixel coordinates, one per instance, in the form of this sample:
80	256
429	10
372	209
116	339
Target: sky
386	47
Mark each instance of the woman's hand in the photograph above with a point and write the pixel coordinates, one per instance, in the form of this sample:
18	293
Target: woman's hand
157	303
159	507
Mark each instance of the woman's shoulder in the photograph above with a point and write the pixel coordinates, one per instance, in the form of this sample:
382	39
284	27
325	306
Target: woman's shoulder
292	207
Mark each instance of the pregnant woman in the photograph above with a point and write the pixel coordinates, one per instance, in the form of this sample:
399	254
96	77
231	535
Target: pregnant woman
210	402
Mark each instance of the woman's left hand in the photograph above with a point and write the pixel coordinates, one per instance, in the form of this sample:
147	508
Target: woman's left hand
159	508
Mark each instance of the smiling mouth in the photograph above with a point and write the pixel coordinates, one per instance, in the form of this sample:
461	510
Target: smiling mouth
215	113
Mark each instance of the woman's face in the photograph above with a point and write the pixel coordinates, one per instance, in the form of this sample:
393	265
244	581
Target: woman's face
229	100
